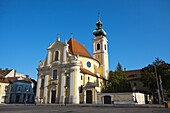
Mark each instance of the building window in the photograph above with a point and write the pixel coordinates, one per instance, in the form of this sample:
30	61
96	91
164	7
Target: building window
55	74
98	46
134	83
88	79
6	88
67	81
56	55
105	46
19	88
81	77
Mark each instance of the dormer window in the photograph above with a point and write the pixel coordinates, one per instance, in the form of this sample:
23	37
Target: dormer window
98	46
56	55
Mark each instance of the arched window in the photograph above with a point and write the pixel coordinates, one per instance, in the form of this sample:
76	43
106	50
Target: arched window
105	46
56	55
55	75
98	46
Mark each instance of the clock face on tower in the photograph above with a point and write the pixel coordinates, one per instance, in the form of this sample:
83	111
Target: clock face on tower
88	64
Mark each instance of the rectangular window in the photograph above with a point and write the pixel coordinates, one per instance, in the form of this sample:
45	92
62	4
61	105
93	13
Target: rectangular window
81	77
55	73
98	46
6	88
56	55
67	81
19	88
88	79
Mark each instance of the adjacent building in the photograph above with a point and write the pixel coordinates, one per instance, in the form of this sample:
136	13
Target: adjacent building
4	83
70	74
15	87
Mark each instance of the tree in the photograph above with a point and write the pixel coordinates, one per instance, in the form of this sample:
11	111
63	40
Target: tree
163	74
119	67
117	81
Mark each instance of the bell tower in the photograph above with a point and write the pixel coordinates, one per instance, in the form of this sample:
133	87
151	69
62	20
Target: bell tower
100	50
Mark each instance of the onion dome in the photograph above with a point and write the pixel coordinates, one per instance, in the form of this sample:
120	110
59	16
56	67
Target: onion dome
99	31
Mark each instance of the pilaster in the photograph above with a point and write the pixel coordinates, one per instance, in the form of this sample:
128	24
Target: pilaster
38	88
46	89
61	101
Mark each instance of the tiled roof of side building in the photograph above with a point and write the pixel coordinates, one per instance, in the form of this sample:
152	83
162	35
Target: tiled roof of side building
1	76
76	48
3	79
5	72
12	79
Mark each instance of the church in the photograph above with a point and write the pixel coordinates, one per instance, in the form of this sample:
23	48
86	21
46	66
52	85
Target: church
70	74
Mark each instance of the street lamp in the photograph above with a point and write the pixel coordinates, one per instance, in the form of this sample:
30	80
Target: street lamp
26	96
157	82
66	95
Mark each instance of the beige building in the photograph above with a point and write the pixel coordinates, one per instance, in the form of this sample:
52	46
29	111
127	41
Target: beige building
4	83
69	74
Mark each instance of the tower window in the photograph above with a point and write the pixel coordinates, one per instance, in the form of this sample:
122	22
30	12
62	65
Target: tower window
98	46
88	79
56	55
55	74
105	46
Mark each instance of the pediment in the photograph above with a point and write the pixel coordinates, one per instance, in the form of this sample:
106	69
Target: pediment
56	45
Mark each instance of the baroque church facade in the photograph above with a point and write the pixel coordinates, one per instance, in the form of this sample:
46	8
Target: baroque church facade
69	74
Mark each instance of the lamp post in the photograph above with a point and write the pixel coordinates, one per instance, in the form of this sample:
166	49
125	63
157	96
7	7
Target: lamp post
157	82
66	95
26	96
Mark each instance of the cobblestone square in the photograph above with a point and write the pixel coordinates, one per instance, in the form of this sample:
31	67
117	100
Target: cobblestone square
81	109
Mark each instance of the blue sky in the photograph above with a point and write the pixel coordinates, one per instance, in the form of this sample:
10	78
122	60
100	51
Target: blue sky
138	31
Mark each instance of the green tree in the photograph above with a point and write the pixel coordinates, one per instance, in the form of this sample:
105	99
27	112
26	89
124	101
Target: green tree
117	81
119	67
148	77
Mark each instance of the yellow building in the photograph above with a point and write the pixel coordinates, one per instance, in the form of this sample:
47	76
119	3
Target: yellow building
4	83
69	74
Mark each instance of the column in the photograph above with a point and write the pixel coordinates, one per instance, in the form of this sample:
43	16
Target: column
74	84
46	89
61	101
38	88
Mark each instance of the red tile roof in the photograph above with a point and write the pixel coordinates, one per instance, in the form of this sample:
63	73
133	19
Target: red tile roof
85	71
76	48
12	79
3	79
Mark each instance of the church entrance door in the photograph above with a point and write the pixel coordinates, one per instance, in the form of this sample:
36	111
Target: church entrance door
53	96
89	97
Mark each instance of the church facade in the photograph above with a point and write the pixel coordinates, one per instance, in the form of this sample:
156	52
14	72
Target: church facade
69	74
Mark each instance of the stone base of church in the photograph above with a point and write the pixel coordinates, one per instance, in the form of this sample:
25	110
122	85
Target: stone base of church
62	100
74	100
